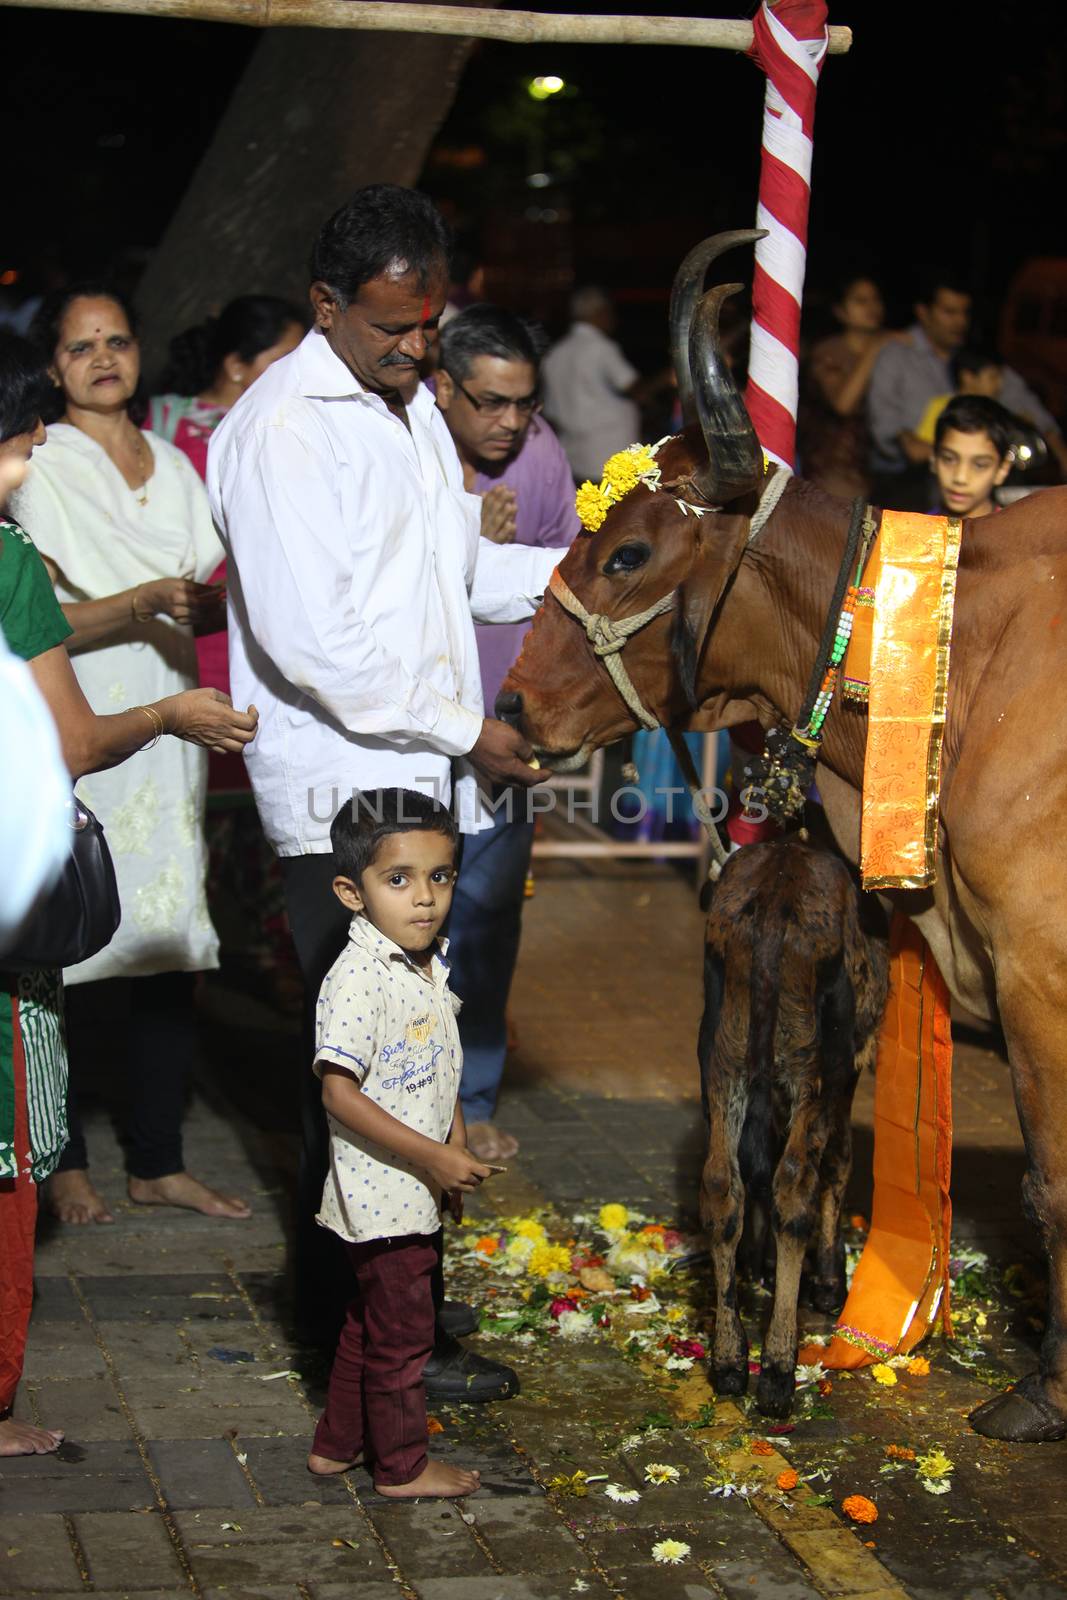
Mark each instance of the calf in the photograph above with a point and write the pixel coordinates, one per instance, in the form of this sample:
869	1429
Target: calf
794	991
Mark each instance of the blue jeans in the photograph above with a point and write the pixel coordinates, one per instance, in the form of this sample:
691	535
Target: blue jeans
484	926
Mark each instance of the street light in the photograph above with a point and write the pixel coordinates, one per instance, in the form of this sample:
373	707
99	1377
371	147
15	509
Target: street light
545	87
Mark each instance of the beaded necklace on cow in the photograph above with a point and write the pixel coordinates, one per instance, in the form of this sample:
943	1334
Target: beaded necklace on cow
779	779
608	637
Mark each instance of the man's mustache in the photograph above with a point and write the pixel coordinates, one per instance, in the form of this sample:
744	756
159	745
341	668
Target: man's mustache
397	360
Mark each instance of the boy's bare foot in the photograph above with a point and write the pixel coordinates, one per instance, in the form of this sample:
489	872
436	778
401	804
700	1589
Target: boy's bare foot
183	1190
446	1483
20	1439
487	1143
71	1197
324	1467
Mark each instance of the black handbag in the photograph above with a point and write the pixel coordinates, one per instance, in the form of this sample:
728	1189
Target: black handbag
80	913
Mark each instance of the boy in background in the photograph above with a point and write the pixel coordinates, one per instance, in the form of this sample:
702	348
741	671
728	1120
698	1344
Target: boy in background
972	454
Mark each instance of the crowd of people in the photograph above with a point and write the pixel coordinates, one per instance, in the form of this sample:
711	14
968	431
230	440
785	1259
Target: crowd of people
926	418
269	611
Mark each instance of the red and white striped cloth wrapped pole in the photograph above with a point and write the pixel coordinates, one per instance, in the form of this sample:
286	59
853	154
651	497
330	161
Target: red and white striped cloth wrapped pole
789	43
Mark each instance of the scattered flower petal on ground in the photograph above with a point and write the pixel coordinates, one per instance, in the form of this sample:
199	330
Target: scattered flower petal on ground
899	1452
919	1367
762	1447
669	1552
576	1324
935	1471
576	1484
624	1497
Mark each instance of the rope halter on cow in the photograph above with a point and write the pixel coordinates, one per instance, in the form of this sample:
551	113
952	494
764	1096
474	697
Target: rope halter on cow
609	635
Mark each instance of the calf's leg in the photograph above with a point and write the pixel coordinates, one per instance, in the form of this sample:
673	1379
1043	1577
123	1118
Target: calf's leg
827	1288
722	1212
796	1188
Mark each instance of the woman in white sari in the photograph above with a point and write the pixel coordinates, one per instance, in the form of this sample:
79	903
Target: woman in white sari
123	524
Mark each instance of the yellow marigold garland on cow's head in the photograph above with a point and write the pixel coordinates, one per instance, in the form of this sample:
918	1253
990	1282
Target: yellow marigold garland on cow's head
622	472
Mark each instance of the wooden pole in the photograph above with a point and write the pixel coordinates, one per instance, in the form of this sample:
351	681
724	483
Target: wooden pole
469	22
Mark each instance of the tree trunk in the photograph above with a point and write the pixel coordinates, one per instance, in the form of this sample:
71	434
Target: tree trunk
314	116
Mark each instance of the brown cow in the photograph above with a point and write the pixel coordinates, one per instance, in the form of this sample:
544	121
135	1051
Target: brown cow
738	642
794	990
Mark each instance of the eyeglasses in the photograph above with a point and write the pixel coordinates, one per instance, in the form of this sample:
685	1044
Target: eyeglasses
496	407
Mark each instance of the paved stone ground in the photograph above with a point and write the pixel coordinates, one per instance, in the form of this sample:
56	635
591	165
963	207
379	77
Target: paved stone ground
162	1345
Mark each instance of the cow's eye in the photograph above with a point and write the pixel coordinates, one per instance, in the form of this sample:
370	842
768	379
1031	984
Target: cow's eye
627	558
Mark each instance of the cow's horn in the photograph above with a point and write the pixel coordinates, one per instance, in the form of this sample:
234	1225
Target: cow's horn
735	459
688	287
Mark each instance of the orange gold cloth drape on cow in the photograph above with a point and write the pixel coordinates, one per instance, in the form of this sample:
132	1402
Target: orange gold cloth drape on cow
901	1280
912	571
900	647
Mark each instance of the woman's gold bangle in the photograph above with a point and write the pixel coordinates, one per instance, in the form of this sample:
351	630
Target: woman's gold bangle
157	723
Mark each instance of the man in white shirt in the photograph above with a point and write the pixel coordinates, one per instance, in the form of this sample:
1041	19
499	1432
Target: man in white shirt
590	387
357	572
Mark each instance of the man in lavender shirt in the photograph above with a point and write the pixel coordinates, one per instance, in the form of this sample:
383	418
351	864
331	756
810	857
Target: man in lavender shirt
487	389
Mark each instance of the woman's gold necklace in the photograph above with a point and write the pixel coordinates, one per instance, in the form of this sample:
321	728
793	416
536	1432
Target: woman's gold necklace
146	465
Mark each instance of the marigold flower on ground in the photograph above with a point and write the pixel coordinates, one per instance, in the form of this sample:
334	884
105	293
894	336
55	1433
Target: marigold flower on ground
660	1472
547	1258
899	1452
529	1228
433	1426
859	1508
575	1484
934	1464
613	1218
884	1375
825	1387
669	1552
787	1480
488	1245
919	1367
762	1447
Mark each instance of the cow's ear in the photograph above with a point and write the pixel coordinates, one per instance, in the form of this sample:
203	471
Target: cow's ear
719	546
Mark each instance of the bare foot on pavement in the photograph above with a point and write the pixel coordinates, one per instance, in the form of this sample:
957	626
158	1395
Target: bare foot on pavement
20	1439
446	1483
325	1467
487	1143
183	1190
71	1197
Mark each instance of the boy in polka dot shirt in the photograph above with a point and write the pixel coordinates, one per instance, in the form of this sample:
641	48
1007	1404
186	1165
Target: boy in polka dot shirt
388	1053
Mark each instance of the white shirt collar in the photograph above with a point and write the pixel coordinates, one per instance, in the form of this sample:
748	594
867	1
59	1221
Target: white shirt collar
362	932
322	375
